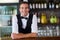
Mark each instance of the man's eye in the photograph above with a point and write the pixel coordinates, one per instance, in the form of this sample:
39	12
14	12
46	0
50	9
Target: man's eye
22	8
26	8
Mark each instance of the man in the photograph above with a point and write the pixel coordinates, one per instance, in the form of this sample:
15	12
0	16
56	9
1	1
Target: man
24	24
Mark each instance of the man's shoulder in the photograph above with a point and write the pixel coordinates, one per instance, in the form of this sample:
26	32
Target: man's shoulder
14	16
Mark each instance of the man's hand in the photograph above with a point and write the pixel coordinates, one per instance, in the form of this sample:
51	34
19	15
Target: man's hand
16	36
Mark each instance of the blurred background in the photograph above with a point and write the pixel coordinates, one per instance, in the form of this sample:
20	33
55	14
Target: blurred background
47	11
6	13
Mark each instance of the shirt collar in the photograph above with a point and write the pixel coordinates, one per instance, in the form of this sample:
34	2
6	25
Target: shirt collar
26	16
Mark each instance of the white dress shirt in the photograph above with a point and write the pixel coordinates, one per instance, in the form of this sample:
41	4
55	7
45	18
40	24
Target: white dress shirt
34	28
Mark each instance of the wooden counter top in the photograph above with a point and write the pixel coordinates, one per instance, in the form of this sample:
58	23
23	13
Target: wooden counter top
40	38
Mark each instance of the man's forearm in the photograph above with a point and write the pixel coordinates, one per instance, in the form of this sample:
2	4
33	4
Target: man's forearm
20	35
31	35
16	36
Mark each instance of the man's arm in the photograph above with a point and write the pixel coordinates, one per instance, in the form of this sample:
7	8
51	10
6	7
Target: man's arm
21	35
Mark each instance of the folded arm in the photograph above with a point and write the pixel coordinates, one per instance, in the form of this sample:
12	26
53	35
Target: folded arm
21	35
16	35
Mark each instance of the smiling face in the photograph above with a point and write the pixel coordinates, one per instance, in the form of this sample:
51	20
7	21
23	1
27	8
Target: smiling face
24	9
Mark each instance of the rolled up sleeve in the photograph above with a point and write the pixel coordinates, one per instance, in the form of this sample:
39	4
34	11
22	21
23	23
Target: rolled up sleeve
14	24
34	25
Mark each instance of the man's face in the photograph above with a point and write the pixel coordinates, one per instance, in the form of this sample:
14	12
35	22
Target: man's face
24	9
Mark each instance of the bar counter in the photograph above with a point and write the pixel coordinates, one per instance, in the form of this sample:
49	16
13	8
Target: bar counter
40	38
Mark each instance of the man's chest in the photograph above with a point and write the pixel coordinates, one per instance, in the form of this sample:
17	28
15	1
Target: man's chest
24	23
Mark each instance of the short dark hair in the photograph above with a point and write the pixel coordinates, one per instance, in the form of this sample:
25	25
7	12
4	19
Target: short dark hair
23	3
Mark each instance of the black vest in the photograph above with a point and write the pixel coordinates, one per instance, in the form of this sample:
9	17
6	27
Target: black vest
28	25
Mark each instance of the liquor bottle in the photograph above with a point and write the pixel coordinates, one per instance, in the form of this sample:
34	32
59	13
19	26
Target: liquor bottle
53	18
8	22
50	6
57	6
39	5
33	6
43	18
42	5
54	31
50	32
30	6
45	5
57	29
38	20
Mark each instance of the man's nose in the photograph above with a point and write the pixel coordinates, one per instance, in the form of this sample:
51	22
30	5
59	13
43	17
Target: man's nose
24	9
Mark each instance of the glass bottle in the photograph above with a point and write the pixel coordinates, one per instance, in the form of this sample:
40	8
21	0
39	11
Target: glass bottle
53	18
43	18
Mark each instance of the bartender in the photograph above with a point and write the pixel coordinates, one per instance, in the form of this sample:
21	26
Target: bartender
24	24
